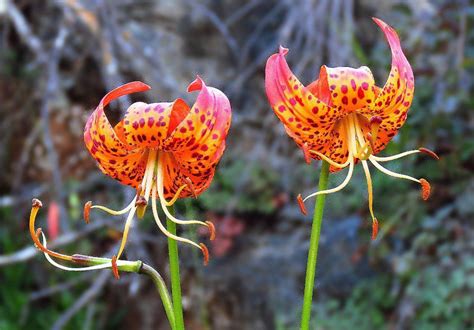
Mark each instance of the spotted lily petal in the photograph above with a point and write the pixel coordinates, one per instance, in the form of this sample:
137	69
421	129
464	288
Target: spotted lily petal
114	157
198	141
395	99
307	118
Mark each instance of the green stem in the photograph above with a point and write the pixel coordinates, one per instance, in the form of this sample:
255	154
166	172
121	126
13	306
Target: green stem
163	291
175	278
313	248
137	267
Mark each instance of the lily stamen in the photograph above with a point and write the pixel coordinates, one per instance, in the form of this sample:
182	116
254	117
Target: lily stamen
35	206
329	160
126	229
190	185
115	270
88	207
425	185
200	246
87	211
176	196
338	188
429	152
301	204
371	199
426	151
149	173
141	204
397	156
391	173
161	196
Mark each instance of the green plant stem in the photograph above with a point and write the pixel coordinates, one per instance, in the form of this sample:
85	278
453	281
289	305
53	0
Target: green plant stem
137	267
175	277
313	248
162	290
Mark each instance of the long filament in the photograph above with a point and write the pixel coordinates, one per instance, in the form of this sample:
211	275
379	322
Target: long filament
148	178
391	173
159	185
114	212
365	148
176	196
369	188
162	228
126	230
330	161
340	187
34	235
397	156
73	269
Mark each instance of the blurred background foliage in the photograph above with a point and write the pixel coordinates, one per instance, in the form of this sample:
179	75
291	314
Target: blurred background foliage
58	58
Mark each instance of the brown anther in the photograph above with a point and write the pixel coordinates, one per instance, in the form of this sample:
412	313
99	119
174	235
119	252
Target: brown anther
375	228
301	204
306	153
141	204
87	211
425	189
190	185
212	230
36	203
141	201
115	270
429	153
139	190
205	253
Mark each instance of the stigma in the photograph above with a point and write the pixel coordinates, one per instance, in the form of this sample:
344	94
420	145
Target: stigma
359	135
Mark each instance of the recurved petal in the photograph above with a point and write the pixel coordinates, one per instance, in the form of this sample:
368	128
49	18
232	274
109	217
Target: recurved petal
197	143
309	119
395	98
347	88
112	155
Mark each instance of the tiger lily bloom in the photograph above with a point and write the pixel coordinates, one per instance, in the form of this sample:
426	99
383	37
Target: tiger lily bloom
343	117
165	151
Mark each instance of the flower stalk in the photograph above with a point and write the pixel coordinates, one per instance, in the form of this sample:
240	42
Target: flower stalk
175	276
313	248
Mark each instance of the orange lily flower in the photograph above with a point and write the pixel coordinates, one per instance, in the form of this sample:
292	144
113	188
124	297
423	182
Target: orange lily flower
343	117
165	151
